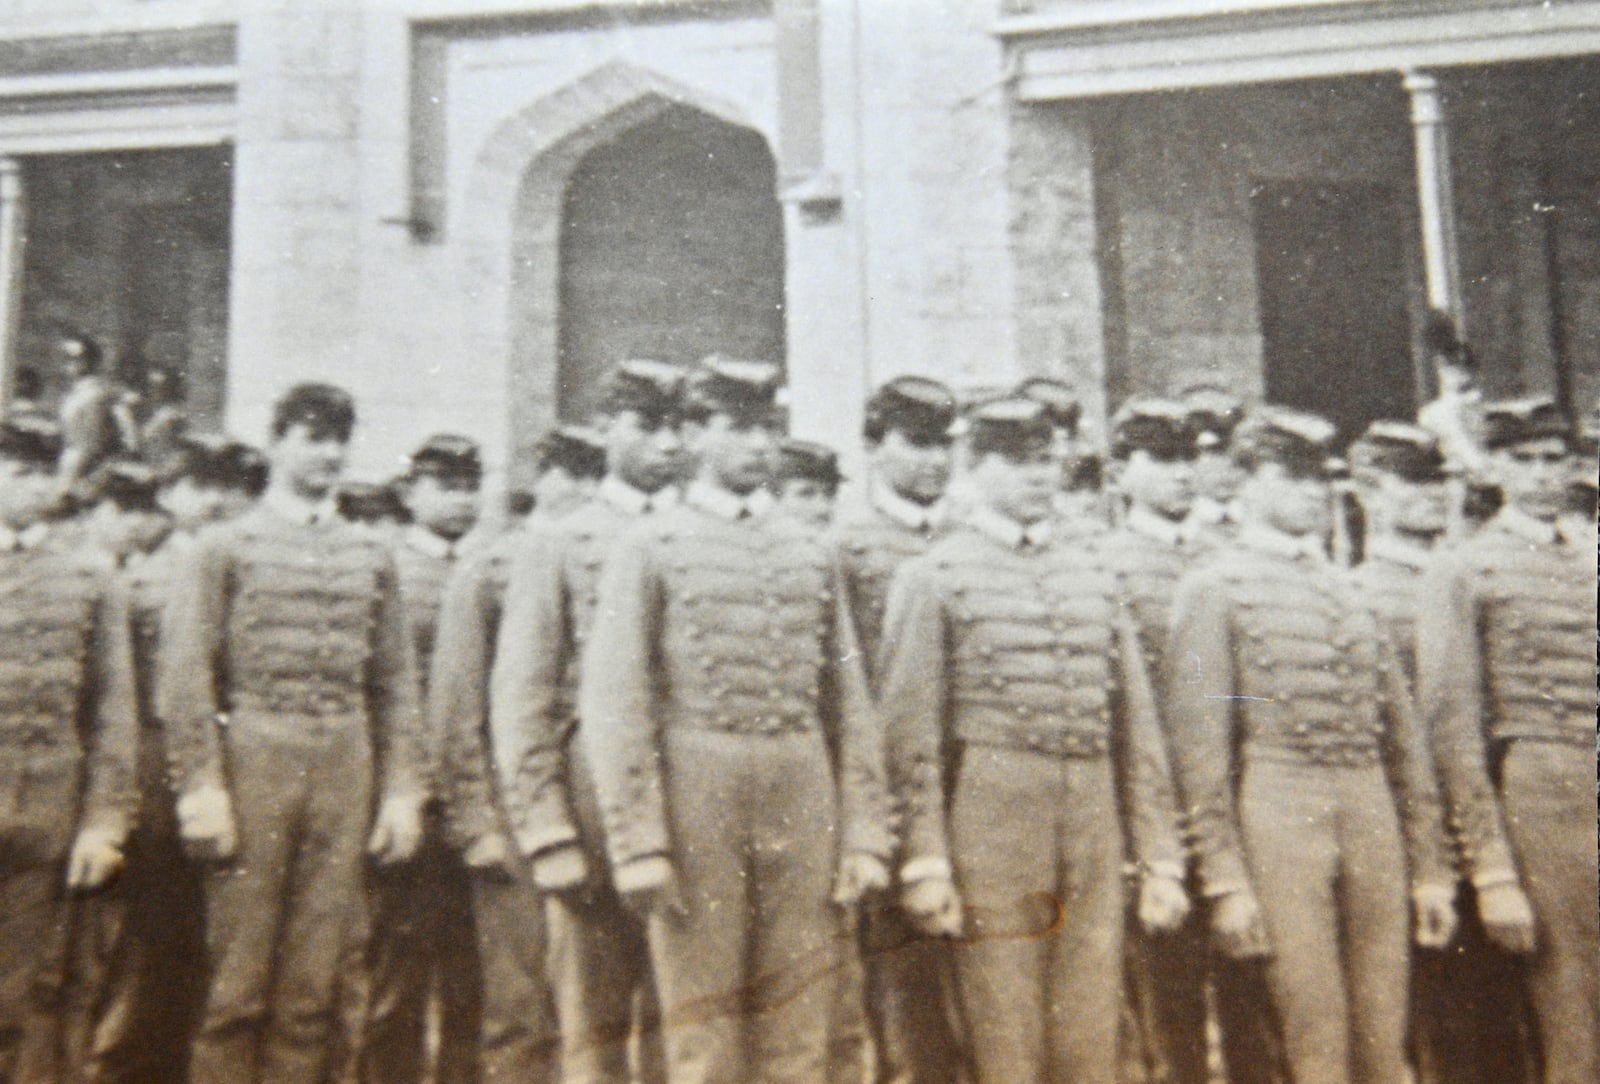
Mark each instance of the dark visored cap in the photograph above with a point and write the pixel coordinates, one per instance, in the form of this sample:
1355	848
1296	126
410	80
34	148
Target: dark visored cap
576	449
1398	448
1160	427
371	502
1515	421
652	388
29	439
809	461
325	410
448	457
920	407
1214	414
1062	407
740	388
1013	426
1298	441
129	484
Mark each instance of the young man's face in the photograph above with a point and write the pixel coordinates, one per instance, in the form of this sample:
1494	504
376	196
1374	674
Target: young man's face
916	468
26	493
1163	484
1215	476
1293	502
447	506
1021	487
1401	504
807	500
735	453
645	452
309	460
1533	475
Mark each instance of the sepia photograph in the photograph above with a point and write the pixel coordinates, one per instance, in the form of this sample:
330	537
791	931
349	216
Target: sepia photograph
799	541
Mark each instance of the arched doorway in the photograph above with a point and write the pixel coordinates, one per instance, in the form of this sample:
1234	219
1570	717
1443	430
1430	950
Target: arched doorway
671	246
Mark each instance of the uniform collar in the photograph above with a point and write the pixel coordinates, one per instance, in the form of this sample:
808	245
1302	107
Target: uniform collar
635	502
26	539
1143	521
297	510
1396	550
1526	527
1007	531
1261	537
917	517
429	544
726	504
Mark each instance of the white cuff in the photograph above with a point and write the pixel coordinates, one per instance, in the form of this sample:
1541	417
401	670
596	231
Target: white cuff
926	868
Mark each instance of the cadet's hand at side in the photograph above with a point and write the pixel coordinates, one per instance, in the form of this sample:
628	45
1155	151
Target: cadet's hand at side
397	832
934	906
561	869
859	874
649	886
1163	904
205	824
1507	916
96	858
1435	907
489	853
1237	926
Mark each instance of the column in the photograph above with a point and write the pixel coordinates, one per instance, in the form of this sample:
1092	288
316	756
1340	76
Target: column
11	245
1435	194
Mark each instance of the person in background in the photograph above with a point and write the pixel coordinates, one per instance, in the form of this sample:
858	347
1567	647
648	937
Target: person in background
375	507
69	796
1506	665
422	957
1214	413
1455	417
96	415
288	624
166	420
1080	499
126	522
518	1037
806	481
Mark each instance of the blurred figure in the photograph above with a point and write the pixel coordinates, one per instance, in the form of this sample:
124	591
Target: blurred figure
375	507
806	482
1214	413
96	416
166	419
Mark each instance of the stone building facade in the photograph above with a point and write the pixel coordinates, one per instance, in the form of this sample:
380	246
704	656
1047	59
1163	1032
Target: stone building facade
462	208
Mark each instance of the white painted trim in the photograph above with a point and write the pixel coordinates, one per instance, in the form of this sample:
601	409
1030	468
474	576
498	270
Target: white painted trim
1077	62
139	80
126	19
1095	14
124	128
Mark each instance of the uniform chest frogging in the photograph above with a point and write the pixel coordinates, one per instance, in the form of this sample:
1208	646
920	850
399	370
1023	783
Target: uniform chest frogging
47	617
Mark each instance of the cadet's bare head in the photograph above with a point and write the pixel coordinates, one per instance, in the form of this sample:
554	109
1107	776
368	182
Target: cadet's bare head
1013	467
907	430
732	423
1284	454
1153	449
807	481
571	460
1401	476
29	449
311	427
639	418
441	488
1528	442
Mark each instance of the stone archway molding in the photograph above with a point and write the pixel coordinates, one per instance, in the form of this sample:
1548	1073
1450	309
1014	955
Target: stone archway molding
510	226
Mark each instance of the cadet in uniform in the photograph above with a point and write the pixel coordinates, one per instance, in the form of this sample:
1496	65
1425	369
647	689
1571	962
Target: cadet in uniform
734	751
599	960
68	735
1310	848
806	481
1466	1003
1009	672
1506	664
909	994
1214	414
289	698
423	948
518	1034
1153	451
1080	503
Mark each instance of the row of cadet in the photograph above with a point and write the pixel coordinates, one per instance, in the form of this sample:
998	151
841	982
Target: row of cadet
993	773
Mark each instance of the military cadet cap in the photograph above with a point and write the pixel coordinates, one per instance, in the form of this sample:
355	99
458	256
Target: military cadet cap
652	388
30	439
1398	448
1513	421
129	484
745	389
808	461
324	409
1299	441
1214	413
1162	427
922	408
370	502
1060	401
1014	426
576	449
447	456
